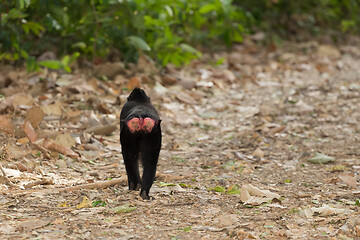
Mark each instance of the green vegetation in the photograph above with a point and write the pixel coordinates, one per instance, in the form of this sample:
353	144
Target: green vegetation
169	31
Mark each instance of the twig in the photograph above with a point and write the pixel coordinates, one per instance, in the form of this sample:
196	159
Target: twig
42	149
104	184
6	178
40	182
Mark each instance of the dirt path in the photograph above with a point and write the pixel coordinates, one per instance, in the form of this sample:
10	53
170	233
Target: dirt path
257	119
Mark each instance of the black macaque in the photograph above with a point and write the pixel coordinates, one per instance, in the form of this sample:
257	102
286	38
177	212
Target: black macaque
140	137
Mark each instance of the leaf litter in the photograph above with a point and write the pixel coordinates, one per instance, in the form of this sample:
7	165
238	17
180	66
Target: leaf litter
240	142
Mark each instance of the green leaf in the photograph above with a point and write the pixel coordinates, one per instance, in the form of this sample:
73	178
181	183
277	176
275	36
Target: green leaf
24	54
138	43
169	10
67	69
52	64
217	189
187	229
80	45
31	64
319	158
184	185
124	208
36	28
187	48
233	190
207	8
65	60
99	203
163	184
74	57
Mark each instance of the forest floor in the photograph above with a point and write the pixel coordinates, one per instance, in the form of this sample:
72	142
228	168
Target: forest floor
257	144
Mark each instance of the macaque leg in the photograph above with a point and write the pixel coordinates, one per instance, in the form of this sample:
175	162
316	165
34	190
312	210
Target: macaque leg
150	149
131	154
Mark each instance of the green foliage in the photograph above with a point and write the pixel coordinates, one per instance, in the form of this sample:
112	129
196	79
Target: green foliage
99	203
64	64
169	31
286	17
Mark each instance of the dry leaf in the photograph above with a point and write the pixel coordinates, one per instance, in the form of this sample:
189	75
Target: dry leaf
29	131
322	211
22	99
102	130
5	228
34	115
349	180
186	98
53	109
6	125
134	83
65	140
85	203
22	140
259	153
33	224
58	148
319	158
254	196
15	151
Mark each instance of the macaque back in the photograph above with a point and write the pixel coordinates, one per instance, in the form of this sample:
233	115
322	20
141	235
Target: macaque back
140	137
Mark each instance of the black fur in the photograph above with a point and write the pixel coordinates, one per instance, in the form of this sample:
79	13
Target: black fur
140	144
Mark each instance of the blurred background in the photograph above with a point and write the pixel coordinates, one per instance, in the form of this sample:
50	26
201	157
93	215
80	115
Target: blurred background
168	31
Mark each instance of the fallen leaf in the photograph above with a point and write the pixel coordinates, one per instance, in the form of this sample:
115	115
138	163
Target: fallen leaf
6	125
259	153
322	211
58	221
233	190
29	131
105	130
123	208
15	151
134	83
65	140
185	98
34	115
54	109
5	228
349	180
254	196
32	224
319	158
85	203
22	140
22	99
58	148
